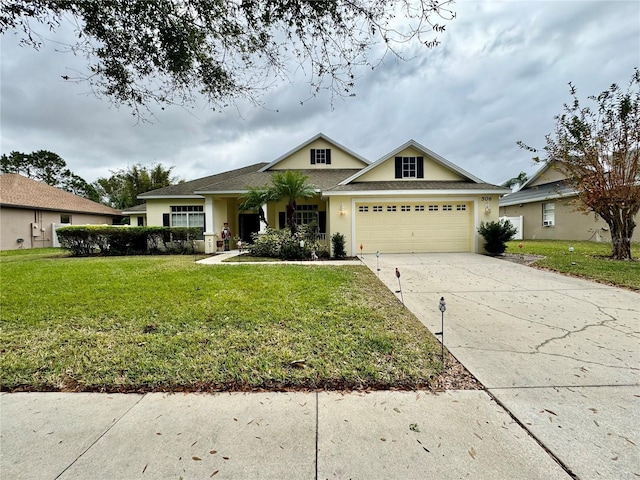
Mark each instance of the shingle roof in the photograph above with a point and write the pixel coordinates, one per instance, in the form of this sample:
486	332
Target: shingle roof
538	193
140	208
322	179
23	192
189	188
400	185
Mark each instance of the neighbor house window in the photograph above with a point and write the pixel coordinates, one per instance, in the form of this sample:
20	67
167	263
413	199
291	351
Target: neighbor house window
306	214
321	156
548	214
188	216
409	167
65	218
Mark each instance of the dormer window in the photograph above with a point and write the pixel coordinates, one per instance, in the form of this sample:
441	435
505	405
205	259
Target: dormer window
409	167
321	156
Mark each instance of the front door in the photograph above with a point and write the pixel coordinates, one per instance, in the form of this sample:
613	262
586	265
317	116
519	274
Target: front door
248	223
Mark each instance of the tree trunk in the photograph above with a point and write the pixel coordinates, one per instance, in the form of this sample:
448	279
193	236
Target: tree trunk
291	217
621	226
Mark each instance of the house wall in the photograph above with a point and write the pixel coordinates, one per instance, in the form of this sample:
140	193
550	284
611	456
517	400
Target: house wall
570	224
17	223
302	159
386	170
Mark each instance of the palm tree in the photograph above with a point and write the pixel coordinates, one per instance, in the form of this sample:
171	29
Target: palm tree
520	180
291	185
254	199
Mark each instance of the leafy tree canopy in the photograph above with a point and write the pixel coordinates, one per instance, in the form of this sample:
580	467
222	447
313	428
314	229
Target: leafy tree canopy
122	188
50	168
141	52
598	149
520	180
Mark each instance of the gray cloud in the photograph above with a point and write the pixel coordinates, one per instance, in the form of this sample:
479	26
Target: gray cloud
500	75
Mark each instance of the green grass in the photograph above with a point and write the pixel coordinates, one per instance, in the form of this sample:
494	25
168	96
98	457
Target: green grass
591	260
123	324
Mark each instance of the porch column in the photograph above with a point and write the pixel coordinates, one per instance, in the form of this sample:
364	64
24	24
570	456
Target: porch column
210	236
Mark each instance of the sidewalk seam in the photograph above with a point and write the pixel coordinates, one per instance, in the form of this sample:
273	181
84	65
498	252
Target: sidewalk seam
535	439
317	428
98	439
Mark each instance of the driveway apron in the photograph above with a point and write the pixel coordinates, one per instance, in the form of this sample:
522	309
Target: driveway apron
561	354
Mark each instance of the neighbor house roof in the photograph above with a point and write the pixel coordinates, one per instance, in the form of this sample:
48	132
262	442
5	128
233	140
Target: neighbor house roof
136	209
22	192
548	191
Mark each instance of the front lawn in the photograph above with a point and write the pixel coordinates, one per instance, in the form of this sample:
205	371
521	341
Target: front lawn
164	323
590	260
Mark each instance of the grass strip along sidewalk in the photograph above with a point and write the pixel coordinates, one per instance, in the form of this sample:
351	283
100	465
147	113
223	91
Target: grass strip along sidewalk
164	323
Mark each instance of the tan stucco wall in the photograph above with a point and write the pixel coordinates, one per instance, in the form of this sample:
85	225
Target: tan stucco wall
548	176
569	223
386	170
301	158
16	223
155	208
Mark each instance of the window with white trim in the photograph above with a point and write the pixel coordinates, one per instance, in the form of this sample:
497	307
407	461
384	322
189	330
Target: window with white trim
419	208
391	208
447	208
548	214
461	208
306	214
377	208
405	208
363	208
409	167
188	216
433	208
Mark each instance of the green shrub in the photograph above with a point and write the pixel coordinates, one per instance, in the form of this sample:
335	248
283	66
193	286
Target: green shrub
84	241
337	242
496	234
286	246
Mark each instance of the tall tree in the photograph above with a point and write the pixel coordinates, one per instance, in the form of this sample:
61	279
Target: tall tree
598	149
122	188
164	51
255	199
50	168
290	186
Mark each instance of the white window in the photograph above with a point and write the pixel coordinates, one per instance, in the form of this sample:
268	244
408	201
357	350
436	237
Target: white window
409	167
548	214
321	155
447	208
377	208
419	208
461	208
405	208
363	208
306	214
391	208
188	216
433	208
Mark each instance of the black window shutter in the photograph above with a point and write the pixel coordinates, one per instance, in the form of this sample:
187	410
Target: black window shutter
420	167
398	167
327	154
322	222
313	156
165	220
282	220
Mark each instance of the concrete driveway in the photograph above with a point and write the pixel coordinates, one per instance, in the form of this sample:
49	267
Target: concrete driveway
561	354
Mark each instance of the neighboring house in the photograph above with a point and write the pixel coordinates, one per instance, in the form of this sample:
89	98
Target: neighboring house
410	200
137	215
31	210
547	205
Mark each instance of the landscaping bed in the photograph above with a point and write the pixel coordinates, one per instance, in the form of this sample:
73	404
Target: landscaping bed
164	323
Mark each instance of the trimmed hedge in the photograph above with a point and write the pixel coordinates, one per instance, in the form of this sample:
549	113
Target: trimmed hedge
83	241
286	246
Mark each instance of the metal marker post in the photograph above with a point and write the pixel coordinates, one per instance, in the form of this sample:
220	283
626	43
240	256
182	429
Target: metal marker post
443	307
378	263
399	285
571	255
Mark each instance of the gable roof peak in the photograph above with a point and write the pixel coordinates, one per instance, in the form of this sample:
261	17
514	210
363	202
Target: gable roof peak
317	136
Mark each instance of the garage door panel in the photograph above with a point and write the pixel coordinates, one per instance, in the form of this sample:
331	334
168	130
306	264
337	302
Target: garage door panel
415	227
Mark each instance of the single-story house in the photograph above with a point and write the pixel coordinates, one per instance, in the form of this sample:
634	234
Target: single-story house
137	215
30	211
547	206
409	200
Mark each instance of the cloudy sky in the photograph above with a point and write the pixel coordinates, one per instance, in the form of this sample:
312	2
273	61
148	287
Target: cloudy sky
500	75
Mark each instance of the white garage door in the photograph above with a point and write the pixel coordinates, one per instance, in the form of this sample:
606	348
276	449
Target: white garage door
404	227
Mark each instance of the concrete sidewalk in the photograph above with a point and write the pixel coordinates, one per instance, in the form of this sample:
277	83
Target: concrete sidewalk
379	435
562	354
220	259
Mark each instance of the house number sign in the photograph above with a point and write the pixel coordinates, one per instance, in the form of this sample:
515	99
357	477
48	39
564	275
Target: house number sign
487	199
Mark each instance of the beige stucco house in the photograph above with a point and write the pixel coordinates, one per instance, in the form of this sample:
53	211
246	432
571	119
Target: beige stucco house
30	211
547	205
409	200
